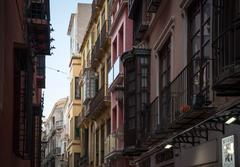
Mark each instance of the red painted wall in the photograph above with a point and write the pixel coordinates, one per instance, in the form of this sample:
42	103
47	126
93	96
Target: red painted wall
12	24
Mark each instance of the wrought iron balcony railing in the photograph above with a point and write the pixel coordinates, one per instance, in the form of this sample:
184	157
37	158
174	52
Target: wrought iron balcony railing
141	22
39	26
100	101
227	61
39	9
100	44
57	151
181	107
113	145
59	124
104	35
190	92
95	51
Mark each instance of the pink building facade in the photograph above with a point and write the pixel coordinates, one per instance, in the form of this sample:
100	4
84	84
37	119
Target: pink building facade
121	41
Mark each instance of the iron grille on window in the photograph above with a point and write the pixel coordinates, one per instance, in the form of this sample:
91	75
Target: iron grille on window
23	114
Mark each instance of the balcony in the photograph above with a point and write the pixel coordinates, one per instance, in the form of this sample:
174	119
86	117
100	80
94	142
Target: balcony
39	26
59	124
158	121
100	45
99	102
226	62
185	105
152	5
114	144
141	23
52	131
115	75
89	86
188	101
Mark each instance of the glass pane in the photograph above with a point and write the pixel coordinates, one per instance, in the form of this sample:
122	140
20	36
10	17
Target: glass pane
206	52
196	63
205	77
195	24
196	83
206	32
144	72
144	97
164	64
144	61
196	43
206	10
144	82
164	80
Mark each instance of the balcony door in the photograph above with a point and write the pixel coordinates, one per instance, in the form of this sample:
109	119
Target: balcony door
164	84
199	50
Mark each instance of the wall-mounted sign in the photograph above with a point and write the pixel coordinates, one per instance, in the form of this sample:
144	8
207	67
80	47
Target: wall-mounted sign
228	152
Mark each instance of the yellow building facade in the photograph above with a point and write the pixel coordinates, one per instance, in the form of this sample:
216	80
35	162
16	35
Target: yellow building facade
77	27
94	118
74	108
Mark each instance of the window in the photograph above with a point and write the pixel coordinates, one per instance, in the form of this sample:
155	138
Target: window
199	37
108	127
102	142
77	129
97	147
23	114
102	76
131	87
85	142
77	88
71	90
77	159
164	81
